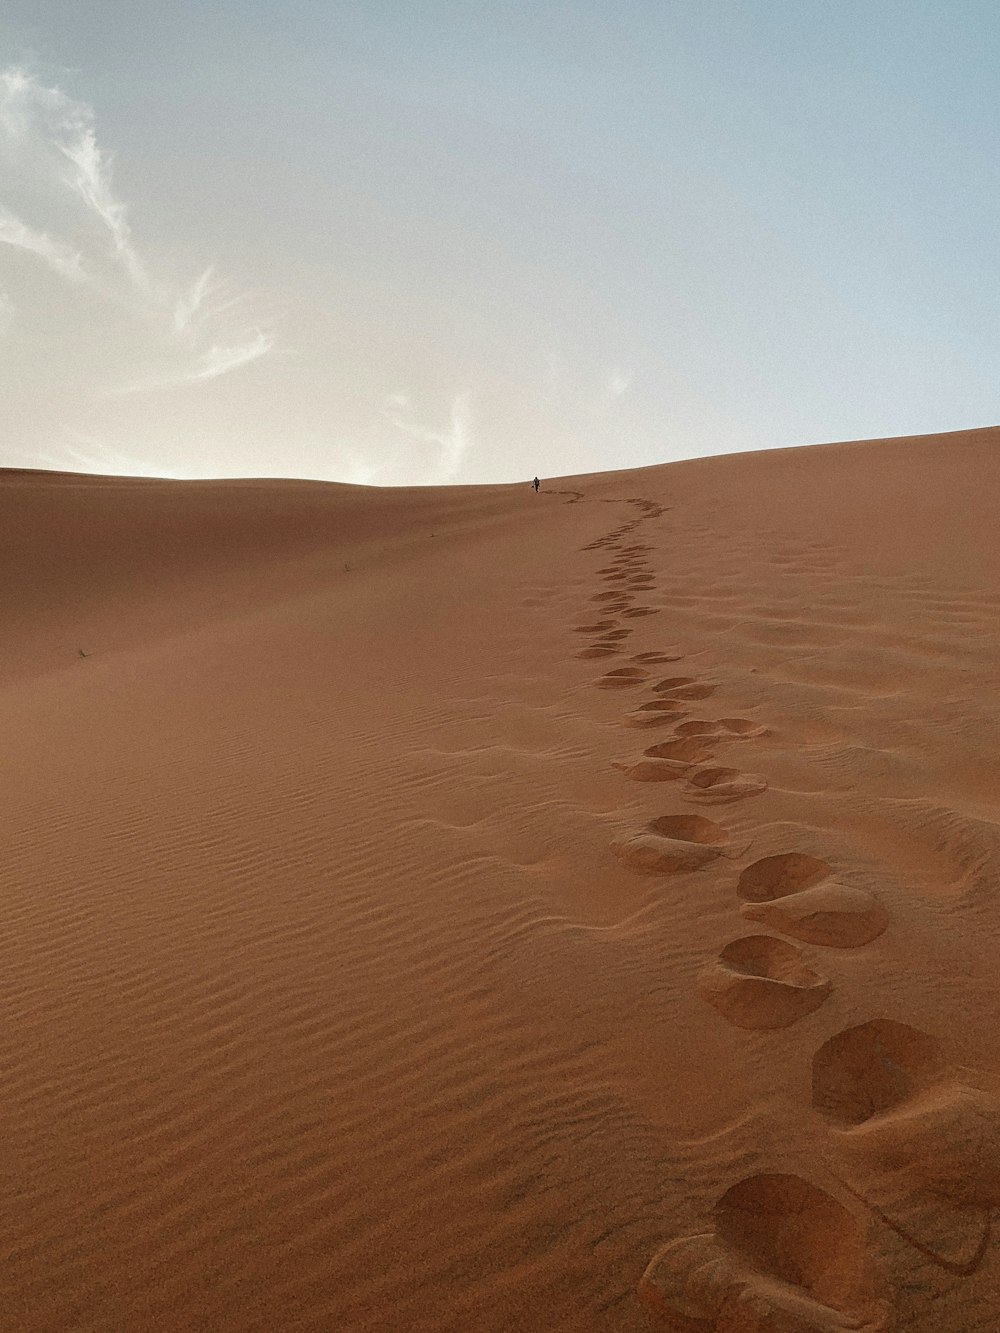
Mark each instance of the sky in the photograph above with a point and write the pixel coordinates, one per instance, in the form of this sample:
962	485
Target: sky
427	242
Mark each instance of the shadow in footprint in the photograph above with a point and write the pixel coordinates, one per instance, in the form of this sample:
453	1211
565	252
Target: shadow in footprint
698	726
623	679
885	1086
762	982
689	751
797	895
672	845
784	1257
671	683
719	786
684	687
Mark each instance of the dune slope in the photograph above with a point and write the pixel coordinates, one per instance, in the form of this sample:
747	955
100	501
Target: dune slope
467	909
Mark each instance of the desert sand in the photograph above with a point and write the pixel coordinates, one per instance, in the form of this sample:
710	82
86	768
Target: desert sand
467	909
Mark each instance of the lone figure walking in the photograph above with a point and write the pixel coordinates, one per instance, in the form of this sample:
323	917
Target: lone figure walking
535	483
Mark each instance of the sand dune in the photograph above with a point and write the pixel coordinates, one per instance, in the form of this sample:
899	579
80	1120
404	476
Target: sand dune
469	909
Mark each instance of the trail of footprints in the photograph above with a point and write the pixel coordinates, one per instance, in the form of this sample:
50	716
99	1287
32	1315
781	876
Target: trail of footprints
783	1255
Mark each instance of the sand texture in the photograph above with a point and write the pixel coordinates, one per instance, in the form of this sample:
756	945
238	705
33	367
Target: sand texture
467	909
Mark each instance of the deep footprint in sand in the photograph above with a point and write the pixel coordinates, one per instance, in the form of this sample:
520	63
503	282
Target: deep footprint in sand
684	687
641	611
761	982
672	845
886	1088
798	895
599	651
784	1257
699	726
693	691
657	657
719	786
598	628
689	751
623	679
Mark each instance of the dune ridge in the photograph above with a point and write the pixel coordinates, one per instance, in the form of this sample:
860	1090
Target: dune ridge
372	957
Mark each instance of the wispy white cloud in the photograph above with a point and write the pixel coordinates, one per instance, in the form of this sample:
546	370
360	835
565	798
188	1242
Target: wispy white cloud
82	452
189	302
452	443
59	205
585	390
58	256
618	382
220	360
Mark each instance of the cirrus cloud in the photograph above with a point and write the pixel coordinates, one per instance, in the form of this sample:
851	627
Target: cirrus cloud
59	208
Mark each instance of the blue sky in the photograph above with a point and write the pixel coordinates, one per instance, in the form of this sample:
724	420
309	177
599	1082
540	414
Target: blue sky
420	242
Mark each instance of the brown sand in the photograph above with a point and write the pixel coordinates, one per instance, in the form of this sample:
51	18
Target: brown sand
348	980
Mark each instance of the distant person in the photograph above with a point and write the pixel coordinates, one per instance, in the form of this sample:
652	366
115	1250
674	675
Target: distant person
536	484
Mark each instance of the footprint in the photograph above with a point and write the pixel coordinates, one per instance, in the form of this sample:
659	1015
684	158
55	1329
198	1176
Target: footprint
684	687
642	611
776	876
623	679
657	657
795	894
785	1257
689	751
671	683
595	629
762	982
885	1086
868	1070
613	596
698	726
718	786
613	635
694	691
597	651
672	845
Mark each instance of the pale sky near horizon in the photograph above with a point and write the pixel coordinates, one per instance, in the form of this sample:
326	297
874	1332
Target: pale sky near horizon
417	242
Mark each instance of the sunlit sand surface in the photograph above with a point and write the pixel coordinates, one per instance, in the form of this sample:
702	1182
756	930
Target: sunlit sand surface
467	909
